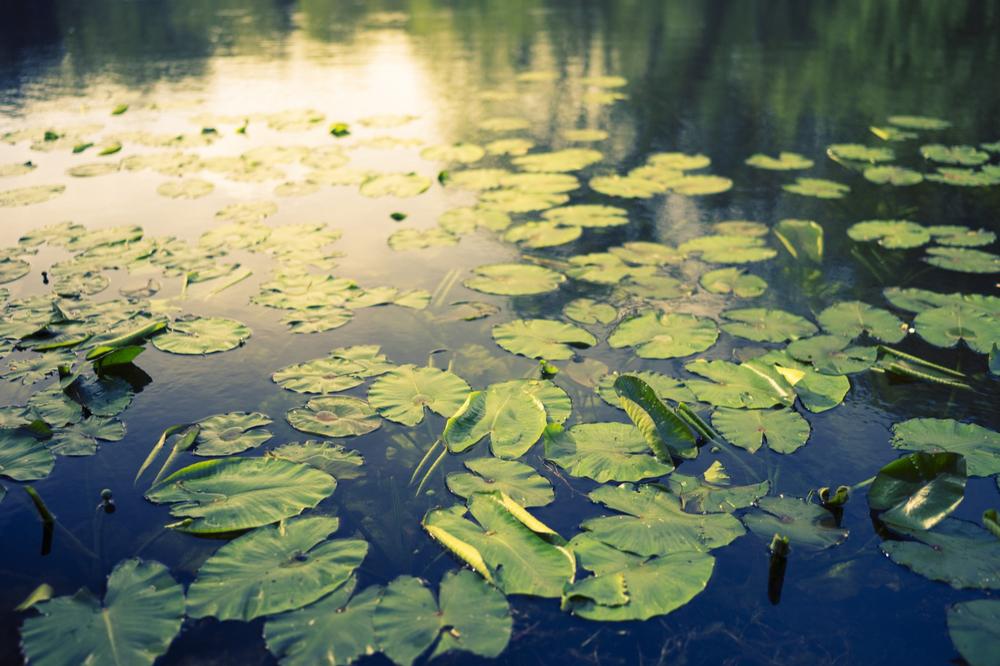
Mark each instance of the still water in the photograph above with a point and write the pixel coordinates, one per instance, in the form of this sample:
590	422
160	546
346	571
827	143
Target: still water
723	79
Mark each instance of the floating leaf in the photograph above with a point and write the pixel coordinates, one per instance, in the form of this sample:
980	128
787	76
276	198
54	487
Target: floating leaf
818	187
511	415
627	187
974	628
833	355
191	188
401	394
542	338
339	462
26	196
664	334
335	416
322	375
518	481
664	386
892	234
802	238
233	494
733	281
589	311
587	215
141	614
746	385
653	523
419	239
536	235
919	122
700	185
570	159
949	325
850	319
459	152
471	616
893	175
963	260
805	524
274	569
395	185
514	279
956	552
80	439
667	434
509	546
701	495
465	220
856	152
202	335
234	432
919	490
961	236
763	325
784	430
22	457
603	452
728	249
978	445
783	162
963	155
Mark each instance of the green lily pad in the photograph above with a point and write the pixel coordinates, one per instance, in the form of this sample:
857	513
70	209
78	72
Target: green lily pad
332	630
807	525
512	147
665	334
664	386
744	386
956	552
832	354
666	433
585	135
980	446
818	187
22	457
963	155
784	430
701	185
603	452
477	179
202	335
587	215
512	200
518	481
961	177
141	614
33	194
919	490
537	235
947	326
589	311
234	432
509	547
891	234
504	124
957	235
80	439
322	375
509	413
733	281
13	269
559	161
678	161
458	152
627	187
191	188
402	393
818	392
963	260
699	495
395	185
974	628
628	587
783	162
334	416
652	522
36	368
274	569
234	494
514	279
341	463
466	220
470	616
893	175
889	133
763	325
919	122
421	239
856	152
850	319
648	254
542	338
728	249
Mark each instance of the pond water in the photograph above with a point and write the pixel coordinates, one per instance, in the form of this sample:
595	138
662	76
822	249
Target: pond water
193	107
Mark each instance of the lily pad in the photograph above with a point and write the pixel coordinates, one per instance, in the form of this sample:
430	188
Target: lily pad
783	162
832	354
666	433
234	432
763	325
733	281
537	235
700	495
514	279
919	490
664	334
893	175
818	188
518	481
974	628
603	452
956	552
957	235
664	386
80	439
947	326
978	445
458	152
341	463
335	416
569	159
701	185
891	234
234	494
919	122
784	430
963	260
739	385
322	375
962	155
728	249
202	335
401	394
627	187
395	185
807	525
856	152
653	523
141	614
191	188
470	616
542	338
850	319
460	221
589	311
22	457
274	569
587	215
33	194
